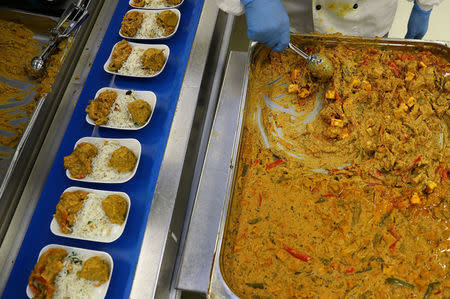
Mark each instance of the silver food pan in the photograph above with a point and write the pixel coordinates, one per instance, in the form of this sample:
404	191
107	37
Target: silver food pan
218	287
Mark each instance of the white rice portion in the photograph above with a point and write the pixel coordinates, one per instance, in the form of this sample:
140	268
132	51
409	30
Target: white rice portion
149	27
69	285
156	4
100	168
133	65
91	221
119	116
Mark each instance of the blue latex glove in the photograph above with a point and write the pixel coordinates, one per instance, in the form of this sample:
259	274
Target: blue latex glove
268	23
418	22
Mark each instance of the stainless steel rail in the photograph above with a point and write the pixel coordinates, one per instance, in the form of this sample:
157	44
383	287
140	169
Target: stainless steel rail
154	273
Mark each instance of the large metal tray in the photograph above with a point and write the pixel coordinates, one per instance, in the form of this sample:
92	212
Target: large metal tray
218	287
15	169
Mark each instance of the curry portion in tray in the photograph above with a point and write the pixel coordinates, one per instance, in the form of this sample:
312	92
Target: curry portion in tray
342	187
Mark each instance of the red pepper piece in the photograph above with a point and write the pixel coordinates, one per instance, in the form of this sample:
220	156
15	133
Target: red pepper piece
63	218
33	289
366	60
328	195
438	292
259	200
392	247
395	67
301	256
350	271
315	190
396	236
273	164
41	279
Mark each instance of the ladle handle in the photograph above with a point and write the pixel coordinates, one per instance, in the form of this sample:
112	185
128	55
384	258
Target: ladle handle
299	52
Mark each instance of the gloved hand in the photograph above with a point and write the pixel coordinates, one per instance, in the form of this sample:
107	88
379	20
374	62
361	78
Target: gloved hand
268	23
418	22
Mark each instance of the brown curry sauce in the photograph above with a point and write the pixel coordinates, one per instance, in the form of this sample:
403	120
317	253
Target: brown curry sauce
376	228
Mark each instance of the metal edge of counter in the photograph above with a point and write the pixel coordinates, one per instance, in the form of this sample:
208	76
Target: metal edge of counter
154	271
33	188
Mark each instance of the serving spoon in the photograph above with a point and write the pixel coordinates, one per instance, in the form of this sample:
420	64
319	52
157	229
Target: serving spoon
59	32
320	66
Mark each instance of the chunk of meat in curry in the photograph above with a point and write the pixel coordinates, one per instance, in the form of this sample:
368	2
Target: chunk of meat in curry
131	23
168	20
153	59
69	205
115	207
79	163
119	55
123	159
140	111
139	3
99	108
42	278
95	269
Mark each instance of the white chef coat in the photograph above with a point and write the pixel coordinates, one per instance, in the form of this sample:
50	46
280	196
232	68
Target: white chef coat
350	17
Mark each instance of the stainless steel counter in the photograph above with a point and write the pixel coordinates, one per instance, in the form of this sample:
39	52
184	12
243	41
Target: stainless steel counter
199	250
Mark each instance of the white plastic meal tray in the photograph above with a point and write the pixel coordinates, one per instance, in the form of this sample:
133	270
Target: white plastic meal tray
133	144
155	7
147	96
100	291
145	11
144	47
116	231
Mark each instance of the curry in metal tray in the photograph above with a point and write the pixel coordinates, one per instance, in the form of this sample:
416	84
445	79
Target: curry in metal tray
342	187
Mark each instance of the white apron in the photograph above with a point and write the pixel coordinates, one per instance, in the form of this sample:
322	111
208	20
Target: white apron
350	17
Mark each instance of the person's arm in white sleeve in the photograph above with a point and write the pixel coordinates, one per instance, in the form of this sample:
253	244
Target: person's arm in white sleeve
420	17
234	7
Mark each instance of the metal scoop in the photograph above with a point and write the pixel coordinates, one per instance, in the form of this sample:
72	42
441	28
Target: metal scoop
320	66
59	32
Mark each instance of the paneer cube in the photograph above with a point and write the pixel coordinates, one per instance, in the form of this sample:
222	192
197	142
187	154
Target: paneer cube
430	187
294	74
337	123
330	94
293	88
409	76
366	85
415	199
303	93
411	102
355	83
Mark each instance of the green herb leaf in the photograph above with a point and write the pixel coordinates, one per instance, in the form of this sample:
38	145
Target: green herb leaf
254	221
356	210
256	285
430	289
244	170
320	200
385	218
398	282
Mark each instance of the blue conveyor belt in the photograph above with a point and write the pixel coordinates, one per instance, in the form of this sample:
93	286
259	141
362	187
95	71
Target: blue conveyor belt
166	86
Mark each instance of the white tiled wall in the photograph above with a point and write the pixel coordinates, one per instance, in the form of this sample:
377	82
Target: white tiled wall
439	28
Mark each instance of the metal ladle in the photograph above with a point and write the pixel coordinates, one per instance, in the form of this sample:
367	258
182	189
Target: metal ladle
320	66
38	62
